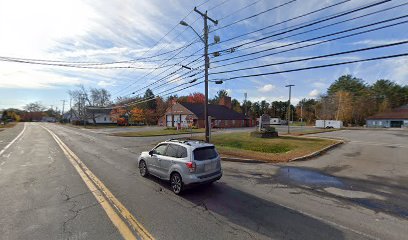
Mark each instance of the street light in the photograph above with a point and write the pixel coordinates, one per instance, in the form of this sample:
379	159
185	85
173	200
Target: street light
183	23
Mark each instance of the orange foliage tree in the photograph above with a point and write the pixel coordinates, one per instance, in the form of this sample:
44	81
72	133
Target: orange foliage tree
136	115
118	115
196	98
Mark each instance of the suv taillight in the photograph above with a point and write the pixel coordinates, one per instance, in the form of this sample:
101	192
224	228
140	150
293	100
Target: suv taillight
191	166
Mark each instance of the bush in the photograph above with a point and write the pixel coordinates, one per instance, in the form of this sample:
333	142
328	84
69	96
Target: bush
269	129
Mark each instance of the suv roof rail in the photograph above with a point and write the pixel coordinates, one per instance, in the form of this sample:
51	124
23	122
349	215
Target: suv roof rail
178	140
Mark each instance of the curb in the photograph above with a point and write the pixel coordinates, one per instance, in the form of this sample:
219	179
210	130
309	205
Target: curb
317	153
303	158
242	160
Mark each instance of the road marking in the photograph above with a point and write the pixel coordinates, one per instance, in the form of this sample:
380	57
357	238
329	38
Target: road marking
15	139
104	196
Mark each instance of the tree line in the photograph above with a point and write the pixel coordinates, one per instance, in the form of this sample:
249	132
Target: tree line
352	100
348	99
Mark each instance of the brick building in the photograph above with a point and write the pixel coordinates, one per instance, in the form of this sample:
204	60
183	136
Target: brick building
222	115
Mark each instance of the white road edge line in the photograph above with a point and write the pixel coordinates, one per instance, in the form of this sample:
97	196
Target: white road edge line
15	139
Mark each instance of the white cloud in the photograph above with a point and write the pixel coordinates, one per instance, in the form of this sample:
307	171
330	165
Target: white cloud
266	88
37	79
314	93
105	83
371	42
229	91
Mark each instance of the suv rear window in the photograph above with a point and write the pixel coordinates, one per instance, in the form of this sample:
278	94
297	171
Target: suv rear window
205	153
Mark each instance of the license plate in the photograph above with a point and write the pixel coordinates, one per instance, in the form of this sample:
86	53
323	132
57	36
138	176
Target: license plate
209	167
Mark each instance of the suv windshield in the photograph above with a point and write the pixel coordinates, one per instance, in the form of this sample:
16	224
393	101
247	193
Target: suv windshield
205	153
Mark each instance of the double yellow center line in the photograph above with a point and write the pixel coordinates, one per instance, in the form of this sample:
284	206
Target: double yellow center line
121	218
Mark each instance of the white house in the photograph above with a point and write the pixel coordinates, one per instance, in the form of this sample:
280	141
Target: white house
100	114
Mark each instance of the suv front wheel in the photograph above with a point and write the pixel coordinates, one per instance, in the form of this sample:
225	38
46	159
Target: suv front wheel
143	169
176	183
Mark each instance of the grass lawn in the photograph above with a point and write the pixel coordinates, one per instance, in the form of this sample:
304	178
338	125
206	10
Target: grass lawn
281	149
153	133
88	126
8	125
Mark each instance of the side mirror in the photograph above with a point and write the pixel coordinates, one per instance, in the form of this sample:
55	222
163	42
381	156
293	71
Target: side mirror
151	152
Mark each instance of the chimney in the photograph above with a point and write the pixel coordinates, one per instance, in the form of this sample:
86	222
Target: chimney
225	101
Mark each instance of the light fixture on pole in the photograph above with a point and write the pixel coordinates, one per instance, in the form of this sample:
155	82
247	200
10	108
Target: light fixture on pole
289	108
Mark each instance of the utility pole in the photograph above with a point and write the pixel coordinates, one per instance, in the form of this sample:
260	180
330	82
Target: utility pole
245	105
207	64
63	106
289	109
70	109
301	114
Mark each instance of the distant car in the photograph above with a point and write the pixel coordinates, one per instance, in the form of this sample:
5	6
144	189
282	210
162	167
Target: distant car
182	162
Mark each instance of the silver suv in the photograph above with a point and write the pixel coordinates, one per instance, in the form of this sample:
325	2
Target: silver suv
183	162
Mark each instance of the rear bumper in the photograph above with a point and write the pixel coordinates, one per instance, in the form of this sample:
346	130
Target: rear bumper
191	180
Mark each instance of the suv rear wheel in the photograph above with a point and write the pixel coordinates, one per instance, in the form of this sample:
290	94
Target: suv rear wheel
176	183
143	169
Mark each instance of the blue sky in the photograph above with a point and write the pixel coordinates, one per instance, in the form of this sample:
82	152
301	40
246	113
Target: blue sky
105	31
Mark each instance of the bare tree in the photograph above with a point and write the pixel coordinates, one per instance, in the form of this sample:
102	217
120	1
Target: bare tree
34	107
83	98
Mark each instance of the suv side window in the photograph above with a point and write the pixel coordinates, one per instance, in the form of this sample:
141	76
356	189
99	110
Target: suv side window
182	152
172	150
161	149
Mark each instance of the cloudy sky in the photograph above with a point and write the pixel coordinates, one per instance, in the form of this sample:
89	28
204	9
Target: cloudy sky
147	32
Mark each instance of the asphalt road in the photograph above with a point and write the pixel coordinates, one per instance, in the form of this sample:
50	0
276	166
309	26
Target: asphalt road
45	195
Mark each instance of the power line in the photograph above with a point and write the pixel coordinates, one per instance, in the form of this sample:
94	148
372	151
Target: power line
317	43
238	10
315	57
255	15
179	79
7	59
329	25
153	98
314	67
152	72
291	29
286	21
170	58
165	77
